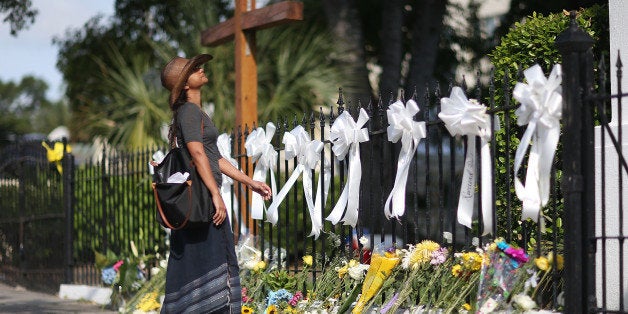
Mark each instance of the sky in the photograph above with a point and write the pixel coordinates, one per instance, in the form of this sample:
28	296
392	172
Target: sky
32	51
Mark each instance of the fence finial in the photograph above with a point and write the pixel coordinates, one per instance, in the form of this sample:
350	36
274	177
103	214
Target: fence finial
340	101
573	38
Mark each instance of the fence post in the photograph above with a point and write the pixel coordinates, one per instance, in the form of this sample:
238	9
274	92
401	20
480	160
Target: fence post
68	203
578	165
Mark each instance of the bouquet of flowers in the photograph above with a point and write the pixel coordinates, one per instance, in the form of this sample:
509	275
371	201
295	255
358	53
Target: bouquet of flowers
380	269
125	275
499	275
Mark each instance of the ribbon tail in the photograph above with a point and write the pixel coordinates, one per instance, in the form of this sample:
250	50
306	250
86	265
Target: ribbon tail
272	212
354	178
548	145
487	189
307	188
273	183
257	202
316	215
225	192
521	150
339	209
398	193
531	198
467	188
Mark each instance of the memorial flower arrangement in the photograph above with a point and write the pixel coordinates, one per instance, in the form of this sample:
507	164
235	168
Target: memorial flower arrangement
124	274
420	277
500	273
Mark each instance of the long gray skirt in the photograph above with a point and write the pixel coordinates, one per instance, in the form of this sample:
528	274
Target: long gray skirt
202	274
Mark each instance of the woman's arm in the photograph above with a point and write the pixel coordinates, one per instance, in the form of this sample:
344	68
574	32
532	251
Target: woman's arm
259	187
204	170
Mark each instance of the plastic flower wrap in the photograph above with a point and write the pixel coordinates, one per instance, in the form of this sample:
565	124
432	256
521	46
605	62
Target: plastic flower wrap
381	267
499	275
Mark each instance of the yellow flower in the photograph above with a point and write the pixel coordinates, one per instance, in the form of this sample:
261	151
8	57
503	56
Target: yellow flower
342	271
466	306
456	270
422	252
271	309
542	263
559	260
149	302
471	261
353	263
261	265
307	260
247	310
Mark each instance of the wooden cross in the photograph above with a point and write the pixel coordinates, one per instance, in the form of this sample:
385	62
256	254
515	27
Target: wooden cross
241	28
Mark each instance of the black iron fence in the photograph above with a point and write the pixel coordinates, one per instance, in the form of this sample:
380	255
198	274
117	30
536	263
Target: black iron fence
112	204
106	204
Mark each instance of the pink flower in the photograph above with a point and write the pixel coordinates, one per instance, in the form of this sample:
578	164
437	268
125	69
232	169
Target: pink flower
439	256
245	298
518	254
117	265
298	296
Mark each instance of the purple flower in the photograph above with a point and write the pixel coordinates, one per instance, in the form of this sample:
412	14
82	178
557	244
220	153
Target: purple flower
439	256
390	304
518	254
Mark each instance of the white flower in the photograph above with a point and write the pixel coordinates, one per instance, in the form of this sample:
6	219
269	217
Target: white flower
532	281
407	256
449	238
163	263
154	271
250	264
524	301
357	272
365	242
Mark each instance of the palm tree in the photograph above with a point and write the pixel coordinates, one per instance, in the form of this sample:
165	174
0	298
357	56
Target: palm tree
135	115
296	75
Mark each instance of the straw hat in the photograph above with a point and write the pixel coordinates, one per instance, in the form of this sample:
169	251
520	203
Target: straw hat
176	73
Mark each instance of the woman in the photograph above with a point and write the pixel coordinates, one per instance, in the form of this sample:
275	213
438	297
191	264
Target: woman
202	275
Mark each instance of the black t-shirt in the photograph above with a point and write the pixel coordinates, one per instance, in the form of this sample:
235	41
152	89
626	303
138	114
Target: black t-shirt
189	122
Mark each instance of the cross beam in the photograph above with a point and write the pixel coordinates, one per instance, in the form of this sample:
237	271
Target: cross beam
241	28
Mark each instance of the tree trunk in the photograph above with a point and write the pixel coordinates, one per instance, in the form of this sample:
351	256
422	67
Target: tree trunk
391	49
344	22
426	31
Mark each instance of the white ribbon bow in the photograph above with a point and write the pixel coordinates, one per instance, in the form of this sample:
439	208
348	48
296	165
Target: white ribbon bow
346	136
259	148
541	109
468	117
308	152
402	126
224	147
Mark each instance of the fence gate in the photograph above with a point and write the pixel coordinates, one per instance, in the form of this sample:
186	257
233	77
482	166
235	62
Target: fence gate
594	171
31	213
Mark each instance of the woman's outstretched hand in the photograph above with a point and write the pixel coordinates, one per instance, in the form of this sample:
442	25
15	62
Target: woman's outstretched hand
262	189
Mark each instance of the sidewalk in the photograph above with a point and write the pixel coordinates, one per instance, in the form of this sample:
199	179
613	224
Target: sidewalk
20	300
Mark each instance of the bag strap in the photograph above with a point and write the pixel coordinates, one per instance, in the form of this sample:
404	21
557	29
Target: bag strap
163	215
176	141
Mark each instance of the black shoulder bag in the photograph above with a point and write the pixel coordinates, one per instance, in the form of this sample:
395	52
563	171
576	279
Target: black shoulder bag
181	205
